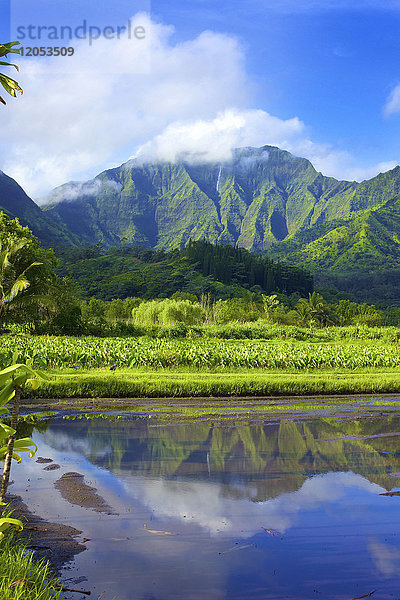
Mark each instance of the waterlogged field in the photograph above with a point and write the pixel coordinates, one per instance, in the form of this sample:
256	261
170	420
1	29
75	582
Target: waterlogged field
89	352
264	509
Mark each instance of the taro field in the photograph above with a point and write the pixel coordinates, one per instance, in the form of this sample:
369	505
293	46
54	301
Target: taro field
48	352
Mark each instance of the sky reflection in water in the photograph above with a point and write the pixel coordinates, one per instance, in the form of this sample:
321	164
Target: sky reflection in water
216	489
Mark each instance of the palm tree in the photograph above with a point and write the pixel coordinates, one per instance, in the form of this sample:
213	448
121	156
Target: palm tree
11	285
315	311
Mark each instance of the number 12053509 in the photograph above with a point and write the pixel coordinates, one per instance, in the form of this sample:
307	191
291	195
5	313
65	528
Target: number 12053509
46	51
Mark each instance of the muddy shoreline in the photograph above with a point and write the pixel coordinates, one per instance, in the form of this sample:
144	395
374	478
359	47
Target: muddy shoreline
250	408
54	542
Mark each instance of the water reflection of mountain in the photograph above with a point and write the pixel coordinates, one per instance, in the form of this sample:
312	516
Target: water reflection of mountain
271	458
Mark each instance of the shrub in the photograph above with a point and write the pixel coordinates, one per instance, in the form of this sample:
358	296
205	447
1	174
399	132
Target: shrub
168	312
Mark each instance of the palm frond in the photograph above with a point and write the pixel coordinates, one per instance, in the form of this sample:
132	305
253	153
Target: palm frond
4	260
34	264
20	284
10	85
41	300
9	48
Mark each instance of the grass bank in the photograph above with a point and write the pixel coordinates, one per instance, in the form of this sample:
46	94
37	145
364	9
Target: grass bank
191	383
21	577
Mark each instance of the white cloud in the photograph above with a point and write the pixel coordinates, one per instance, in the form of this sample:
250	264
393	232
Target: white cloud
70	124
191	98
213	140
360	173
76	189
210	508
392	105
385	556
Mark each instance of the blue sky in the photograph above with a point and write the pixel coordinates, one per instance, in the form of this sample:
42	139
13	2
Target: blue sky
334	68
319	77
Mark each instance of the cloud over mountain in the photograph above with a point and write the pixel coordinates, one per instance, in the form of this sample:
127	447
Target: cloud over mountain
190	98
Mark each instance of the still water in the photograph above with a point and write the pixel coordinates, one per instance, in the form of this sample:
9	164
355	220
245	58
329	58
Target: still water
276	509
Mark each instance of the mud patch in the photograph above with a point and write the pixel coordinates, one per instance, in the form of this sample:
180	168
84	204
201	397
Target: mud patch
52	467
75	491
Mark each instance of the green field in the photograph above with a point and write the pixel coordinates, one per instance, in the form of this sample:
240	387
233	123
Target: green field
175	383
204	368
50	352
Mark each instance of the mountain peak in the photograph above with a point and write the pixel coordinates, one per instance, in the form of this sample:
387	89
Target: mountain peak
262	195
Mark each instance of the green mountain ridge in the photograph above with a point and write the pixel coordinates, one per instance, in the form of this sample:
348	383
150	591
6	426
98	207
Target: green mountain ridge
264	199
262	196
368	240
15	203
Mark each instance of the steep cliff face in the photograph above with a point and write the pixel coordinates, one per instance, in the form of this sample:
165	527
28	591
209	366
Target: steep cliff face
368	240
261	196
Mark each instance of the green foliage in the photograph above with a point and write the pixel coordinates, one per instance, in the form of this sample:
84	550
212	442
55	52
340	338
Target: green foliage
31	294
359	255
355	347
271	304
68	322
27	296
168	312
17	564
208	383
392	316
184	296
16	204
314	311
237	266
10	85
201	268
119	309
235	310
12	283
12	380
350	313
93	309
7	523
65	316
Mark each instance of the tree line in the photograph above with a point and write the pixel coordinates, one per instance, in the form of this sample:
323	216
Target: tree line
181	286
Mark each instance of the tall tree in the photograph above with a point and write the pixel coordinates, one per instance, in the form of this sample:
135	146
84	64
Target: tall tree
11	284
27	277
